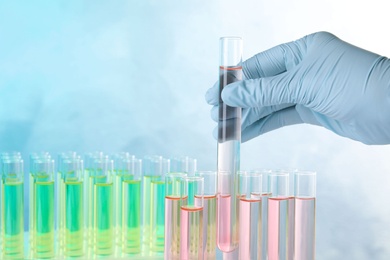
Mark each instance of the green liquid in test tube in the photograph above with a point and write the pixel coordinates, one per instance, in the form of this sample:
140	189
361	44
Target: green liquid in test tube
120	170
12	209
72	203
42	208
89	173
63	161
152	168
43	233
157	208
157	215
103	243
131	210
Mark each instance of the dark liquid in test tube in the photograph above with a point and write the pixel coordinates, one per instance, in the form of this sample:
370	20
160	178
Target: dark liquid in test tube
229	124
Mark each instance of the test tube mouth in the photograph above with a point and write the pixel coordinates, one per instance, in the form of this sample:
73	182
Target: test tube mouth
210	182
230	51
305	184
278	183
250	185
192	191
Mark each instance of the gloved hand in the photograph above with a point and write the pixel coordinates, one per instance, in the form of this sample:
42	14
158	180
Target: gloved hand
318	79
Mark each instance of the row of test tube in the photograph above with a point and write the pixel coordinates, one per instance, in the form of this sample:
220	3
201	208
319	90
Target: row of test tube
88	208
272	223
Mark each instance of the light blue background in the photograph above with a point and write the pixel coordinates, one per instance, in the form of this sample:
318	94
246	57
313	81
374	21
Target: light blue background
131	76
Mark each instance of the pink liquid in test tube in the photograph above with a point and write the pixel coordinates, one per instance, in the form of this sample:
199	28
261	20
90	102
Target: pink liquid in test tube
223	227
305	204
250	229
191	229
191	218
280	230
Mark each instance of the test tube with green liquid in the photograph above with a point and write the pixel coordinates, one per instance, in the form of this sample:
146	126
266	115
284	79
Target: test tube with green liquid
12	230
157	215
102	214
89	179
32	158
131	207
3	158
120	168
42	209
151	167
59	184
72	203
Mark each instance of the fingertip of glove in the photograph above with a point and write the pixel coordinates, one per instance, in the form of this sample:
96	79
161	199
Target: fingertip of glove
211	95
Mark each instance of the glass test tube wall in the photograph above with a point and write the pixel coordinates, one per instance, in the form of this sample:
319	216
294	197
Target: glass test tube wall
229	139
250	224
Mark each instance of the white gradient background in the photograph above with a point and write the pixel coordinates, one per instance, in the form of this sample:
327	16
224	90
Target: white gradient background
131	76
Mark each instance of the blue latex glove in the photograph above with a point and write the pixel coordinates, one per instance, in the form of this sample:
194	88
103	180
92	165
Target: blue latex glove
317	79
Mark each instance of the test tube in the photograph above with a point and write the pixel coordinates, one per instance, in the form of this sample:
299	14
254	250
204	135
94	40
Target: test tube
183	164
209	213
90	172
191	218
157	215
42	192
250	186
12	230
72	203
229	139
172	215
280	217
102	221
32	158
305	211
120	167
131	207
265	194
59	187
151	167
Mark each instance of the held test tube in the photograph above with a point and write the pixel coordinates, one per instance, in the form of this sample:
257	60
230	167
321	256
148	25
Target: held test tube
209	213
42	209
305	208
280	218
229	139
250	185
12	231
172	215
131	206
191	218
